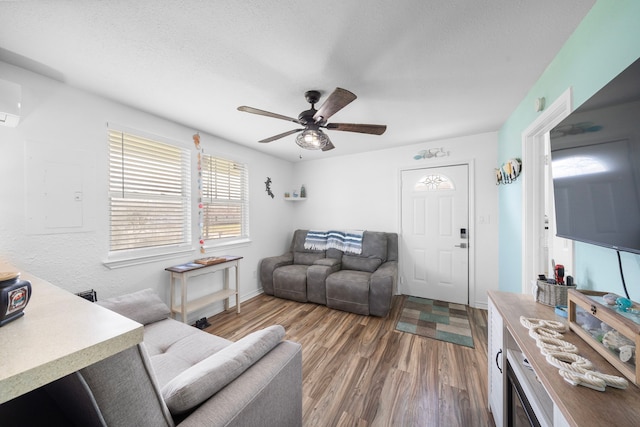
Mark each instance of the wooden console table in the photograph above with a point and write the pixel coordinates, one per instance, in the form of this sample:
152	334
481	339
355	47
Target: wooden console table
184	271
59	333
564	404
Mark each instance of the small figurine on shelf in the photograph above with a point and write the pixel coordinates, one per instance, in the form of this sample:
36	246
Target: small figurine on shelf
303	192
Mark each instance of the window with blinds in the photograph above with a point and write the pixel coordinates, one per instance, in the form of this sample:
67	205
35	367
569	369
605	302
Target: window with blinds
225	199
149	193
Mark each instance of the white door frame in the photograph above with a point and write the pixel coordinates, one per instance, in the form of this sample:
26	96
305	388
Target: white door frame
471	232
533	192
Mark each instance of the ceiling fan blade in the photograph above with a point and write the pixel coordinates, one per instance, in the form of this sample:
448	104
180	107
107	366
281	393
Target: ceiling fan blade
267	113
338	99
282	135
361	128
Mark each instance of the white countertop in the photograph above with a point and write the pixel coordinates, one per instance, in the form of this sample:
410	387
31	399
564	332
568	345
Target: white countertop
59	333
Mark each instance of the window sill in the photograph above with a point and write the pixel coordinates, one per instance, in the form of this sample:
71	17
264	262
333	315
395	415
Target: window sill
238	243
130	259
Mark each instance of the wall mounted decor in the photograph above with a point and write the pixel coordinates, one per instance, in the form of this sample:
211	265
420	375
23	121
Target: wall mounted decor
196	142
508	172
267	183
431	153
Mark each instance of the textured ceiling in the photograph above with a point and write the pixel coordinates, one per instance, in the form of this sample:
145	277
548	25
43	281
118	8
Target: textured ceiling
428	69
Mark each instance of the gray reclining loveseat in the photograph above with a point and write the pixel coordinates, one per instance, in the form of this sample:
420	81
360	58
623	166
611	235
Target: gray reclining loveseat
359	283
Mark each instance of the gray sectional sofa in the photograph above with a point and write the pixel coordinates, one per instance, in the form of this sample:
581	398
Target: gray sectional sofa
359	283
179	375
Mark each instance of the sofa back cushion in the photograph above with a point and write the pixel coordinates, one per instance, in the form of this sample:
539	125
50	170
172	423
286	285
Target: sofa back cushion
374	253
301	255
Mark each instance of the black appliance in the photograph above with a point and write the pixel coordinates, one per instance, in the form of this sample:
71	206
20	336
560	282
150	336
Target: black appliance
595	155
519	410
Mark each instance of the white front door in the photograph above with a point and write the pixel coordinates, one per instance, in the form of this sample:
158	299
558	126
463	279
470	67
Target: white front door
558	250
435	230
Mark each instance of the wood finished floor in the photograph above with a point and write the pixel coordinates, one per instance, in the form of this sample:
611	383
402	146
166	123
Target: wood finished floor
359	371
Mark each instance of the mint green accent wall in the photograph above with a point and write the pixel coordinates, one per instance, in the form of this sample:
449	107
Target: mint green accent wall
605	43
599	270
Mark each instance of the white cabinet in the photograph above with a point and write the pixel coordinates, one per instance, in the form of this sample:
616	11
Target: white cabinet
496	358
516	369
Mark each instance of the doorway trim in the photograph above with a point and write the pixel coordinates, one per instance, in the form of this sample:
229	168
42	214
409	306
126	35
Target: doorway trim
470	163
533	138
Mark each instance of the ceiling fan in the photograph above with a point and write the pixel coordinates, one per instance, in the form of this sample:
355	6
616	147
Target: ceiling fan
312	120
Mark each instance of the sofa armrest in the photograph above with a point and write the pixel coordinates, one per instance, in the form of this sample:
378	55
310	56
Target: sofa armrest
267	394
316	279
143	306
268	265
205	378
381	288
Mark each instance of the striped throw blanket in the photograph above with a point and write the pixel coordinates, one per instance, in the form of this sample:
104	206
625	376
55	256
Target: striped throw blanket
345	241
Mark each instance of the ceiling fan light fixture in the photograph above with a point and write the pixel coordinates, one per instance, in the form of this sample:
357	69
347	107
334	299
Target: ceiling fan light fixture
312	139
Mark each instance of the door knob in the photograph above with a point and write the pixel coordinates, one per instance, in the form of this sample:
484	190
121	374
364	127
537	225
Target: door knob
461	245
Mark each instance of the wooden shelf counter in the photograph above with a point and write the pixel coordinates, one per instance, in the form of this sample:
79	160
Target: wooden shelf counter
580	406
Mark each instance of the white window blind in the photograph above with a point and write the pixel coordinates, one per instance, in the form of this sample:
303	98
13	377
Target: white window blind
225	199
149	193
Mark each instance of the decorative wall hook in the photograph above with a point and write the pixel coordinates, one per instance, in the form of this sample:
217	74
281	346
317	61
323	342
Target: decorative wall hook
508	172
431	153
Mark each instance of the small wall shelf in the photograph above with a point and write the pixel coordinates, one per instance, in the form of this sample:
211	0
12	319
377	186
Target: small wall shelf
295	199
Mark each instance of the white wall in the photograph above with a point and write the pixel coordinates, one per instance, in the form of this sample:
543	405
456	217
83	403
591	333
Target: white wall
358	191
363	192
67	126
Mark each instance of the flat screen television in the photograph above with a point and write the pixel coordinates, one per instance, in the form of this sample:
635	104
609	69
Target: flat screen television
595	154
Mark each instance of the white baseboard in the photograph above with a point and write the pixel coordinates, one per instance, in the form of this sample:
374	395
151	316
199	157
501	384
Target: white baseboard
250	295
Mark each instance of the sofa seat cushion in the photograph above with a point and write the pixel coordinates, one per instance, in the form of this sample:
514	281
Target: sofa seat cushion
348	290
174	347
204	379
290	282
